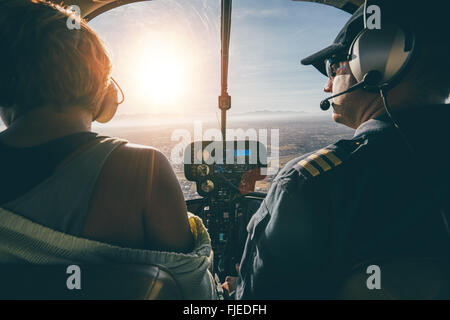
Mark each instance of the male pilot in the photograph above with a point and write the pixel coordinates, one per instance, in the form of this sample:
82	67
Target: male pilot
369	198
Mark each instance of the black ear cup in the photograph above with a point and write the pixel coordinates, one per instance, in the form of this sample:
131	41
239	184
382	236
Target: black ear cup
387	50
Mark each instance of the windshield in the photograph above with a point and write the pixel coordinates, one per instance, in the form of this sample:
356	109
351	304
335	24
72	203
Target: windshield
166	57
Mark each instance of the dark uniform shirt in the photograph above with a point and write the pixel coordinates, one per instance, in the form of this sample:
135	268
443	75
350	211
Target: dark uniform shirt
357	200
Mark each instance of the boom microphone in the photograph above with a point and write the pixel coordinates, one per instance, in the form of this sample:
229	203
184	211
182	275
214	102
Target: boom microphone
371	78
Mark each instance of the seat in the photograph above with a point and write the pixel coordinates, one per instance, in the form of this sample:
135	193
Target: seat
103	282
401	279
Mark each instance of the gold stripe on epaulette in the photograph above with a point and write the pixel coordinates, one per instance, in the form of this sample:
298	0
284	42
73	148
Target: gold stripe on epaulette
331	156
322	163
309	167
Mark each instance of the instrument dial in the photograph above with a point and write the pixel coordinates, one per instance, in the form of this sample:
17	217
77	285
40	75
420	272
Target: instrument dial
203	170
207	186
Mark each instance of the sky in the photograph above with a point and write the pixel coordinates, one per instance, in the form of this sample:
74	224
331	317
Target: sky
166	54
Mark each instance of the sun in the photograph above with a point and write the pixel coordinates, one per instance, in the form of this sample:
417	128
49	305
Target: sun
160	72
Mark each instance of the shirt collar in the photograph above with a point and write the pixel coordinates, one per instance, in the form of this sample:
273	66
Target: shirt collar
374	126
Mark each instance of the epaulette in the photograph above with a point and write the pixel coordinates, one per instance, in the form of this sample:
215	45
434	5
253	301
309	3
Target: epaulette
327	158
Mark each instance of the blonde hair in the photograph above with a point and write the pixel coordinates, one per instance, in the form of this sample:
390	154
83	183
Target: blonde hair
43	62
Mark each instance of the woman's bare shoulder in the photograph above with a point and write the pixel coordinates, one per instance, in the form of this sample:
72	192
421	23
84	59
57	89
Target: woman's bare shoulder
116	208
138	202
133	157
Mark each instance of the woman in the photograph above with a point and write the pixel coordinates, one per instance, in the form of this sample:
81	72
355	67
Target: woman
57	173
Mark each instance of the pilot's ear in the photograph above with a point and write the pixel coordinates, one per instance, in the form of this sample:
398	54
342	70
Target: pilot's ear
109	105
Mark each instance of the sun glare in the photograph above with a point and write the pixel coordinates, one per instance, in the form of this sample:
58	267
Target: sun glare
160	75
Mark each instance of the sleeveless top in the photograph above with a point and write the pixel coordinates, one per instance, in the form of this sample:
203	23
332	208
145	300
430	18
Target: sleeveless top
60	200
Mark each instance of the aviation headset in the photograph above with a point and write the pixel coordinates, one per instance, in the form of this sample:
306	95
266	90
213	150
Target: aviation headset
379	58
110	102
387	51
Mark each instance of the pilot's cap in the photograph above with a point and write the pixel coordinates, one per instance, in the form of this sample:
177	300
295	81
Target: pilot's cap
425	19
341	44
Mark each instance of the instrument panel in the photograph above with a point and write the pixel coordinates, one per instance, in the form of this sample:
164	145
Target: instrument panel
225	169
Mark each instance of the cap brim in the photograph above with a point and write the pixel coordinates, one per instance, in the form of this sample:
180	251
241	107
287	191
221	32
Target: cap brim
318	59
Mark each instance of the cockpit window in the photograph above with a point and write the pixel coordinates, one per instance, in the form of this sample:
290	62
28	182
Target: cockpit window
166	58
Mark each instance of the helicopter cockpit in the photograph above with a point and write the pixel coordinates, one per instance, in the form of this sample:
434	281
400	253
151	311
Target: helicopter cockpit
225	165
228	173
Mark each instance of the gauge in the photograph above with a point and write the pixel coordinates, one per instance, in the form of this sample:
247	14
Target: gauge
207	186
203	170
